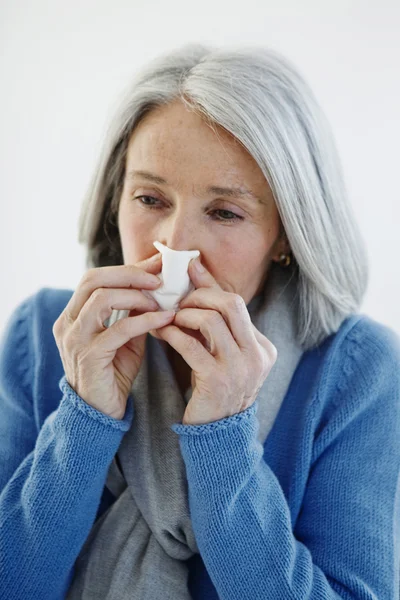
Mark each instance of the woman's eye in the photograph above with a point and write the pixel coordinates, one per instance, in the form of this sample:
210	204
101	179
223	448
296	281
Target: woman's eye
223	216
233	217
147	198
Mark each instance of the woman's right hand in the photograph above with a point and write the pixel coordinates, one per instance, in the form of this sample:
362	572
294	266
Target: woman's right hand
101	363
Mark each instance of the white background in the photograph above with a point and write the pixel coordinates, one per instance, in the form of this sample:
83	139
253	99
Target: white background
64	64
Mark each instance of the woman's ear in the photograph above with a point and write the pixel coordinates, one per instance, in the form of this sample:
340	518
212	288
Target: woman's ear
282	246
286	246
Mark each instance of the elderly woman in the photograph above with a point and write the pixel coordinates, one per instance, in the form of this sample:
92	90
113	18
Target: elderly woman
248	447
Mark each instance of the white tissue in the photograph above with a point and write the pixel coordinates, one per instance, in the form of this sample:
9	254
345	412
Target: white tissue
176	283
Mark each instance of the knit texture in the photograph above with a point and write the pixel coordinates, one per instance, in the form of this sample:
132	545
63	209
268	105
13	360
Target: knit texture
314	513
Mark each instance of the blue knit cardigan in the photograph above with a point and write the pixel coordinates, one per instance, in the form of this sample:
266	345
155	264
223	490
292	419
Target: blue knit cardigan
313	514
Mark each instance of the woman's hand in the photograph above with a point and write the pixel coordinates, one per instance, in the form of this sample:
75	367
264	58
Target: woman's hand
230	359
101	363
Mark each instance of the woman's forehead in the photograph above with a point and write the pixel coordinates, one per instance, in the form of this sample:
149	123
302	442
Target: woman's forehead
177	141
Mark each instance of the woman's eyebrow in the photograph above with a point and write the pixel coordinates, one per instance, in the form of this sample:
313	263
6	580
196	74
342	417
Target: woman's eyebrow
232	192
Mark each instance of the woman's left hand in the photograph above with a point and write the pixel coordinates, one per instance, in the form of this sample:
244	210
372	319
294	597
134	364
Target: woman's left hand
229	368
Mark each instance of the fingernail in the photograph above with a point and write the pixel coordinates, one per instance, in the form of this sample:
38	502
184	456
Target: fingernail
153	257
167	314
198	266
153	278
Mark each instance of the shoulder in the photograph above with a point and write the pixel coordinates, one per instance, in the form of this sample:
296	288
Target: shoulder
360	376
27	339
30	364
36	314
35	311
45	306
363	329
49	302
45	300
363	349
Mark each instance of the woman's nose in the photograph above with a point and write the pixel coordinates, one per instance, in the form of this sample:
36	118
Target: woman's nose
178	233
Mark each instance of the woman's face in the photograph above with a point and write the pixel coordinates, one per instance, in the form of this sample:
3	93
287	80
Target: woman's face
174	161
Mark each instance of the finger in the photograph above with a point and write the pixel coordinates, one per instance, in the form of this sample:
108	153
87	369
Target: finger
124	330
103	301
233	309
265	343
119	276
213	328
191	349
151	265
201	279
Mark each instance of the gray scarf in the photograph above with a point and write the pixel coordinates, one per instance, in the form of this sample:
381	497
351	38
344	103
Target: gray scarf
137	548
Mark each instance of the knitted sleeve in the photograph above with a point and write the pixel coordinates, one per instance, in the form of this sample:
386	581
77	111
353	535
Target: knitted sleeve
345	542
51	480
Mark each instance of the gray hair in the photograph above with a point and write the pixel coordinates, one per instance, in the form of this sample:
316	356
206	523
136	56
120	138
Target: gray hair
262	100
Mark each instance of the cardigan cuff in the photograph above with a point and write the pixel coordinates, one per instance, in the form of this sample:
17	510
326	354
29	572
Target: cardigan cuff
121	424
220	456
225	423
